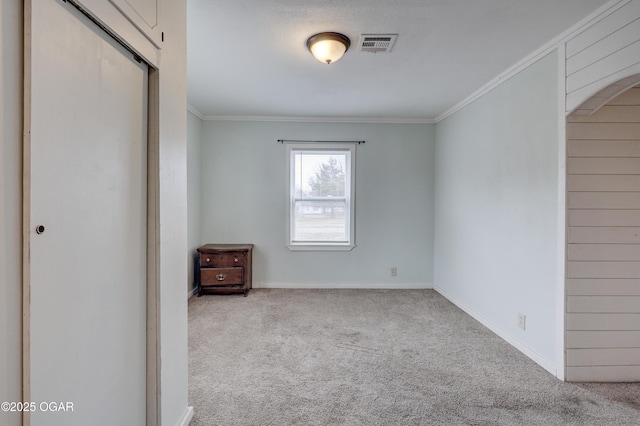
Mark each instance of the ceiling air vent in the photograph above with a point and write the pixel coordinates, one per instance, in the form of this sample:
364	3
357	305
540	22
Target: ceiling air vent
377	42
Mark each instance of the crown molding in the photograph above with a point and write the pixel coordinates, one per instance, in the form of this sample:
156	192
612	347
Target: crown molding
536	55
195	112
311	119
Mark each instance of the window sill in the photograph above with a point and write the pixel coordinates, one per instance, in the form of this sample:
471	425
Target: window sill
320	247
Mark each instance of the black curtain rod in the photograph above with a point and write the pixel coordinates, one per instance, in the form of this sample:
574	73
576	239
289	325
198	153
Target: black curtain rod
303	141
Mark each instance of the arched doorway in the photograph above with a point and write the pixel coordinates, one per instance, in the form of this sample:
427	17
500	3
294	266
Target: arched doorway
602	288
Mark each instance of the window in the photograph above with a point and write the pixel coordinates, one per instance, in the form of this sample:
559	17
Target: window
320	210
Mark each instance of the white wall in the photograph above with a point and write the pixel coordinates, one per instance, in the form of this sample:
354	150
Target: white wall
173	212
604	53
496	209
243	201
10	206
194	153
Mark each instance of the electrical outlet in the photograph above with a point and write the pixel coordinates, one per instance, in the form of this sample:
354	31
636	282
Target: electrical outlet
522	321
394	271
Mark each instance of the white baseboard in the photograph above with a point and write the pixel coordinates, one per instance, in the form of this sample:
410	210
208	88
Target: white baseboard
537	358
192	292
186	418
381	286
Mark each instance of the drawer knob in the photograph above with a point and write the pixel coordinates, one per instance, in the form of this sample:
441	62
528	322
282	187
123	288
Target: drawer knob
235	259
221	277
207	260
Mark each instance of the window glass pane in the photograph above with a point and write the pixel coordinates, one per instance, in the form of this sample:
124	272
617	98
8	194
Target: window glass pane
320	204
320	221
320	174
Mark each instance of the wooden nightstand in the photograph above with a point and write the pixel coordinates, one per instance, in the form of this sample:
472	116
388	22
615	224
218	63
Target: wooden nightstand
224	268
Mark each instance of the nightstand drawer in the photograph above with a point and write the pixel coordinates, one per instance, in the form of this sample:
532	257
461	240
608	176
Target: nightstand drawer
224	260
221	276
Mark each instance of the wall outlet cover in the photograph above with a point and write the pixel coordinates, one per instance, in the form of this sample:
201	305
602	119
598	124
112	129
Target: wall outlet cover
522	321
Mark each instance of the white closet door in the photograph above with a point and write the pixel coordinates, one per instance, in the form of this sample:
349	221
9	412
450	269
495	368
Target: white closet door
86	185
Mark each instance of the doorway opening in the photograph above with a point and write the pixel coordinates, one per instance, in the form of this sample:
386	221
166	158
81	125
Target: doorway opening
602	285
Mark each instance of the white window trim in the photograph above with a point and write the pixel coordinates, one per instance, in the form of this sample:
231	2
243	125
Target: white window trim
351	175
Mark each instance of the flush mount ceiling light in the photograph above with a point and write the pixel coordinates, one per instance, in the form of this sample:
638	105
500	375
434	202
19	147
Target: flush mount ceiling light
328	47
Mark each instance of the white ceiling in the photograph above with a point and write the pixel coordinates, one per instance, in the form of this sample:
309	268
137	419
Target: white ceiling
249	58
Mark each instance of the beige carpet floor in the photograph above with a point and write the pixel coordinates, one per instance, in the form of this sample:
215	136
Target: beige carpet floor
374	357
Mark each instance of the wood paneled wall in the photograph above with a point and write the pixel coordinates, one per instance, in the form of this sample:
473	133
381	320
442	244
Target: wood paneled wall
605	52
603	242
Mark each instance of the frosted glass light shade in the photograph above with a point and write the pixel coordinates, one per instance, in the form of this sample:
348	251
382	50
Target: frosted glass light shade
328	47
